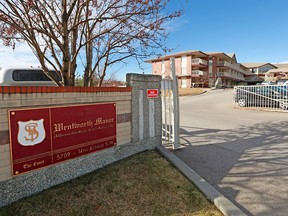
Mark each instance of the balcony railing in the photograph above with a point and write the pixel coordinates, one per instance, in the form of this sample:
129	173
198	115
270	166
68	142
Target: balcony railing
198	61
198	73
230	75
183	75
232	66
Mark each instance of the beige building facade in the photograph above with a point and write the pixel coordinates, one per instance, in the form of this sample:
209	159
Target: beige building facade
268	72
202	69
274	75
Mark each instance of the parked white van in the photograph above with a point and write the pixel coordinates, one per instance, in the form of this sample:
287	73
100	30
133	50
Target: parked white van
24	77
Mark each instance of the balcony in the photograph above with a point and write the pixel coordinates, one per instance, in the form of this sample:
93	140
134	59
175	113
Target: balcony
199	62
183	75
232	66
197	73
230	75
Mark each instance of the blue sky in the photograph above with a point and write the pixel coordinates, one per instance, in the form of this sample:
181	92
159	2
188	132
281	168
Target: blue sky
255	30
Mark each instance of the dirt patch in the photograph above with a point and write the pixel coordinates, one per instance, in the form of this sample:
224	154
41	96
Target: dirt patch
191	91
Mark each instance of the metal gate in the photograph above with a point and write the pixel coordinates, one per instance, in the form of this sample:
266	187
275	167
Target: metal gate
170	110
262	97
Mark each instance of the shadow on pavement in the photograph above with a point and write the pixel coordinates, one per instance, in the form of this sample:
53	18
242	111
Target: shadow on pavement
244	163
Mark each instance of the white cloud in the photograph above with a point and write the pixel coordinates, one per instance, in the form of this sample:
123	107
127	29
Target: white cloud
282	62
22	56
177	24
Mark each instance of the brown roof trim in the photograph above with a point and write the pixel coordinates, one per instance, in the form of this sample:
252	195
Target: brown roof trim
256	64
189	52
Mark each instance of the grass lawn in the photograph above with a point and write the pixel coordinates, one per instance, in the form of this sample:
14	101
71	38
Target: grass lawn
144	184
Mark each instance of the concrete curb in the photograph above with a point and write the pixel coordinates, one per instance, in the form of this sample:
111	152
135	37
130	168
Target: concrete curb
221	202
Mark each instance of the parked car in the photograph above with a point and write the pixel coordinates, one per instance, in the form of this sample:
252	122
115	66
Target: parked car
281	89
261	96
282	82
268	83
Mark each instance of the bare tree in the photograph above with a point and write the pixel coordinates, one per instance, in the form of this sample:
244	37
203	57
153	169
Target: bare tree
204	80
99	32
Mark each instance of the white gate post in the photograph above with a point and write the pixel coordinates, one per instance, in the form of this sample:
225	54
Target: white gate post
176	120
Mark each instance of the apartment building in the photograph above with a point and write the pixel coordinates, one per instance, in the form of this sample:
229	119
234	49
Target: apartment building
259	69
205	69
267	71
274	75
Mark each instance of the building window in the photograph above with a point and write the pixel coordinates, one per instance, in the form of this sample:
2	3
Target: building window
183	83
163	69
184	65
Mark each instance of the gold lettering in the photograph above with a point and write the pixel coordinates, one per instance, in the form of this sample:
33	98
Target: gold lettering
58	127
33	133
82	151
63	156
75	125
27	166
100	121
38	163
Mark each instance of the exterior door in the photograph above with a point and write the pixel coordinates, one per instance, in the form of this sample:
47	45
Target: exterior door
183	83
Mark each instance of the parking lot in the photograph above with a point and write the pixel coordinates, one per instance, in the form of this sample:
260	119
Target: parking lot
243	153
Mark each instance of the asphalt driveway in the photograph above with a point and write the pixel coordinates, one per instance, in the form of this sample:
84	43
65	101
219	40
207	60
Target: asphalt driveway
242	153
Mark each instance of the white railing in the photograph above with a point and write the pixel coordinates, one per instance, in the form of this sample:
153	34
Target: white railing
232	66
183	75
265	97
198	61
199	73
230	75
